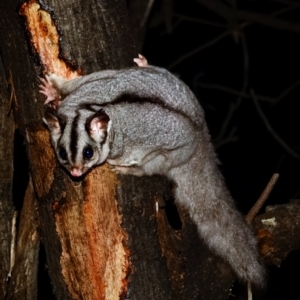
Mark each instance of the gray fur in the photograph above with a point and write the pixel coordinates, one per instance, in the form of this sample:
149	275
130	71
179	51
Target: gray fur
156	126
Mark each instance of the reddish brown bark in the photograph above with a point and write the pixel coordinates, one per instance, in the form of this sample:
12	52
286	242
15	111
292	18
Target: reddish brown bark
278	232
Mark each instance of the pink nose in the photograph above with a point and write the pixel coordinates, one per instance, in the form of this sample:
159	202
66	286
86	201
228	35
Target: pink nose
76	172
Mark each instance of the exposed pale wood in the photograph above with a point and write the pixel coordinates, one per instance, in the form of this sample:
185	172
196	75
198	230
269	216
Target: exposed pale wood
23	281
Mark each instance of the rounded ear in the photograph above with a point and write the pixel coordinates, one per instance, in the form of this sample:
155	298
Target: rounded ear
51	120
97	125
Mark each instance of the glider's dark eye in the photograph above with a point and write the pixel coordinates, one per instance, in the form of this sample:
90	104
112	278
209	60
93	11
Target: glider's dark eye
63	154
88	153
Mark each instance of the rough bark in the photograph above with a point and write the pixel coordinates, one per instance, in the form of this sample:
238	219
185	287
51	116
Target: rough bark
278	232
23	281
6	180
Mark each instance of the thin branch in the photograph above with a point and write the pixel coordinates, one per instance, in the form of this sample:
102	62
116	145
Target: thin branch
229	139
288	90
235	92
146	13
285	9
232	108
235	105
247	96
271	130
262	199
286	2
198	49
198	20
229	13
249	291
269	21
217	39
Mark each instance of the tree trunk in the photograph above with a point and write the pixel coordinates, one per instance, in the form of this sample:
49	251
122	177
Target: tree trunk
23	281
6	181
107	236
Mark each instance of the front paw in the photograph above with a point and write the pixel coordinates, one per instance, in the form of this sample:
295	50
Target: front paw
48	89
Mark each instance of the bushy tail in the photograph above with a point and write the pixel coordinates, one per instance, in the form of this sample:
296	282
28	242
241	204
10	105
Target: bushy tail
201	189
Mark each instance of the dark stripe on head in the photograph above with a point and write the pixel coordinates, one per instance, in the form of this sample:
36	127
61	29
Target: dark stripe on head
74	138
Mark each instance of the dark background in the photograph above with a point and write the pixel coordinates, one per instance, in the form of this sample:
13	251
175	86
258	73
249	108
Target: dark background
250	159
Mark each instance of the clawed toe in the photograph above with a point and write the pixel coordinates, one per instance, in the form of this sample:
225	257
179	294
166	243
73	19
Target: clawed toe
141	61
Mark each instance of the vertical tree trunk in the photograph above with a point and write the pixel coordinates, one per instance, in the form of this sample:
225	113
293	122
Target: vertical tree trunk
6	180
23	281
107	236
